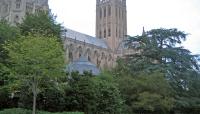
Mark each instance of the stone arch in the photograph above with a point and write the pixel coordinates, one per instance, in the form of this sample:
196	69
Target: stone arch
109	10
104	12
88	53
71	55
95	56
102	59
71	47
109	57
79	51
100	13
103	55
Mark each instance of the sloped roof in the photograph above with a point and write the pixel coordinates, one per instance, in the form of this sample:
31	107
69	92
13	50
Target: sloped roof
81	65
85	38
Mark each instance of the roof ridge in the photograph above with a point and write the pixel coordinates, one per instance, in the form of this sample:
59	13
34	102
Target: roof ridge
72	34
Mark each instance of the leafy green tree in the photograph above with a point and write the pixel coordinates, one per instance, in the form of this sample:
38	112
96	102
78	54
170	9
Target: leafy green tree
161	50
7	33
50	98
36	59
146	93
93	95
42	23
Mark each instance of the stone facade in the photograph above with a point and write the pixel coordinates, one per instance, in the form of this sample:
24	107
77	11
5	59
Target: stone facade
14	10
111	21
108	45
96	50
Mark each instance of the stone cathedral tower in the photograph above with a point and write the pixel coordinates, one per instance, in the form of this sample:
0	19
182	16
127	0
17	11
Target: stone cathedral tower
15	10
111	21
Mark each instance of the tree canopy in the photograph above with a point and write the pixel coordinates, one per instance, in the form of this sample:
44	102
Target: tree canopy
7	33
160	51
42	23
93	95
35	60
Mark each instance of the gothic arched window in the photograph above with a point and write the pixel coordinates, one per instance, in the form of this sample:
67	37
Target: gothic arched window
18	4
5	8
104	11
16	20
109	57
100	13
116	32
104	33
102	55
116	12
122	14
109	32
109	10
70	56
79	50
119	13
89	59
100	34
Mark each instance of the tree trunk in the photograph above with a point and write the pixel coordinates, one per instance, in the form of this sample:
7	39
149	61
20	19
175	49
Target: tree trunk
34	95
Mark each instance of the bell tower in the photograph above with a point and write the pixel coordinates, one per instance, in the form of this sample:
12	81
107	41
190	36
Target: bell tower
111	21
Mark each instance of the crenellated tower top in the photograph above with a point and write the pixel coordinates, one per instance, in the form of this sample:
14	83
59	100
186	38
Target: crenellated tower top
100	2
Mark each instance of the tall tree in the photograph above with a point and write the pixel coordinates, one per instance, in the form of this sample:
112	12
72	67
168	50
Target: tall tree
160	49
42	23
7	33
36	59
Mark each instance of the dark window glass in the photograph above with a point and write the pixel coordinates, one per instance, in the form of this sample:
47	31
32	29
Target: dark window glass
100	34
109	32
104	33
109	10
104	11
100	13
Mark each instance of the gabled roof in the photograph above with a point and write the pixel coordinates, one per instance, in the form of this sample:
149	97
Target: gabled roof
85	38
81	65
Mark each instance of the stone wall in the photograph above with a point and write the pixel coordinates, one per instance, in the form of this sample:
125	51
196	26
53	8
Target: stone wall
103	58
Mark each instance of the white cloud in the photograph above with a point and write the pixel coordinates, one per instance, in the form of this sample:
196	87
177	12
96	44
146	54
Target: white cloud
182	14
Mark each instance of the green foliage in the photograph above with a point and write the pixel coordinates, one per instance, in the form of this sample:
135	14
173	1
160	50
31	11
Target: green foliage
93	95
24	111
50	98
36	57
42	23
159	51
7	32
36	60
146	93
4	97
189	98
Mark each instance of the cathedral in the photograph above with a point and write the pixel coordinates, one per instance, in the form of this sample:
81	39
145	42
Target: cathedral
101	50
111	28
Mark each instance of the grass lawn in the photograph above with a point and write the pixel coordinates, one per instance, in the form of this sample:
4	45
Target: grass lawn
24	111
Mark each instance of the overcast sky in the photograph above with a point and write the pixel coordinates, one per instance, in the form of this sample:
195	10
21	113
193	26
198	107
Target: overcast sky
80	15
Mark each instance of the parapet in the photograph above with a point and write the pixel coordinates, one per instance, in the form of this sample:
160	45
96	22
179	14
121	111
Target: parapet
99	2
